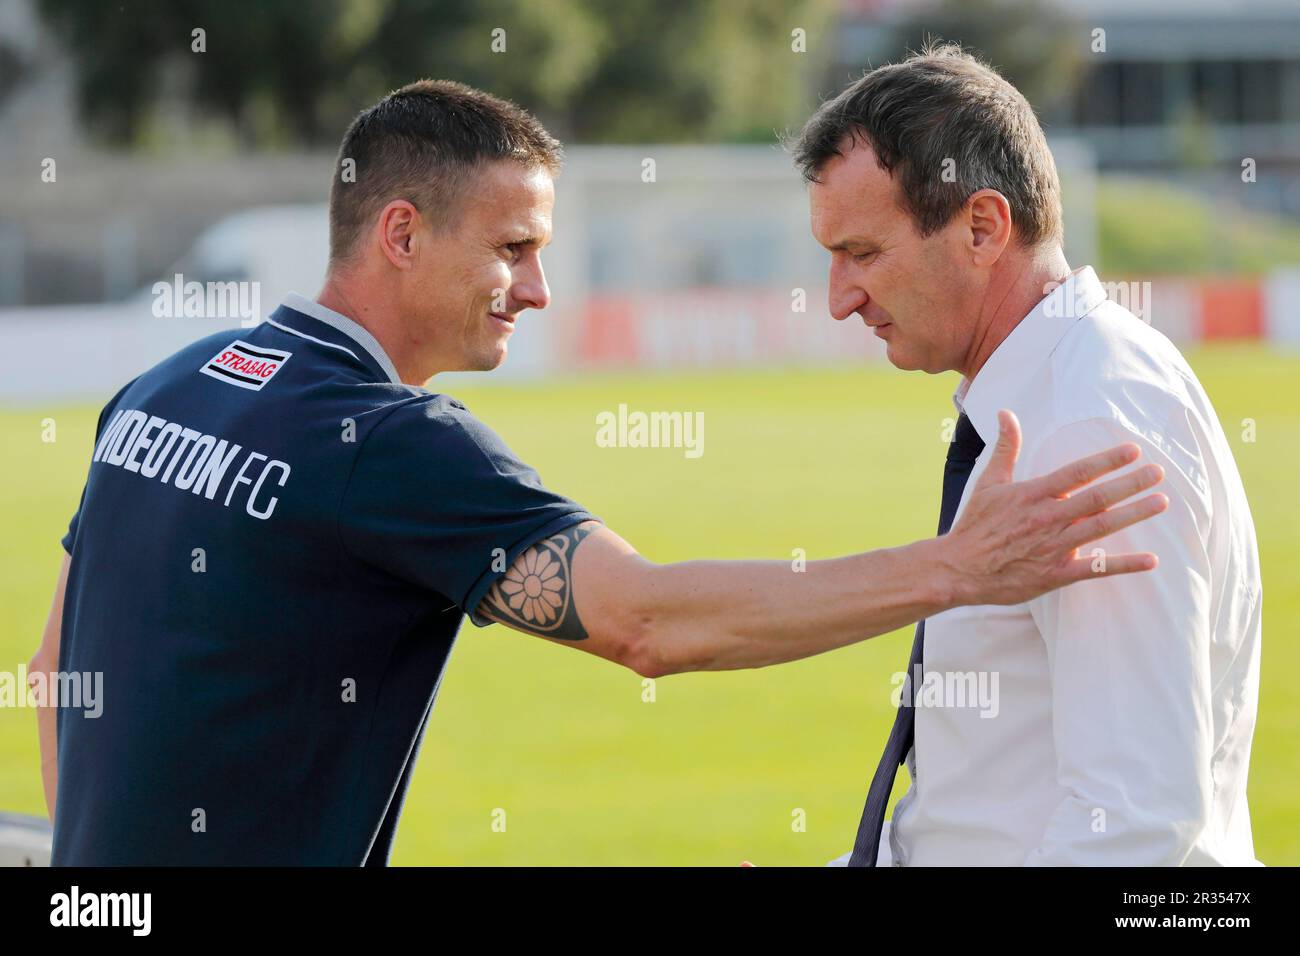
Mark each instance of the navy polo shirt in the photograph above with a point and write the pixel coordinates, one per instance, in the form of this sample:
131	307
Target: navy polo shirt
275	547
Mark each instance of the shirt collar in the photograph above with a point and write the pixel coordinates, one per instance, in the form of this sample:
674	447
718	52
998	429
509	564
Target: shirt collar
309	319
1030	343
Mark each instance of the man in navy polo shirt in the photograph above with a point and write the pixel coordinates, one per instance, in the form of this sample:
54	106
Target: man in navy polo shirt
282	529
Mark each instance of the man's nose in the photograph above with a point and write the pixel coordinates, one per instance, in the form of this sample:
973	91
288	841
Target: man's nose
844	297
530	289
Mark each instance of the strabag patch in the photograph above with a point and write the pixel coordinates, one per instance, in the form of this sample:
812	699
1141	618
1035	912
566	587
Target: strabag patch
245	366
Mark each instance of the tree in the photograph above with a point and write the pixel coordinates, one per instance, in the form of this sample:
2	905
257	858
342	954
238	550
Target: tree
295	73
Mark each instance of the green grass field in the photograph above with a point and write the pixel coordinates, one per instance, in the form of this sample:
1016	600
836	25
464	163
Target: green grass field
713	770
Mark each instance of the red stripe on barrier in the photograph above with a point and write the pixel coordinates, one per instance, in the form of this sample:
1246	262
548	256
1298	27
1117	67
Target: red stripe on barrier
1231	309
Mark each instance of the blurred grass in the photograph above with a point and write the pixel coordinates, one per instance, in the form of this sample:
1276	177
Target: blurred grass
711	771
1195	236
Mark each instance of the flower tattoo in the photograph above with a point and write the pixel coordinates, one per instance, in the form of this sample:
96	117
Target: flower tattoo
535	594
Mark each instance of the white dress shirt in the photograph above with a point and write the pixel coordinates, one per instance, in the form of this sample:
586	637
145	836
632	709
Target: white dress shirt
1110	722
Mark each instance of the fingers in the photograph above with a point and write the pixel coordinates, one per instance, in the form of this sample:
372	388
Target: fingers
1102	496
1084	569
1079	473
1002	464
1108	522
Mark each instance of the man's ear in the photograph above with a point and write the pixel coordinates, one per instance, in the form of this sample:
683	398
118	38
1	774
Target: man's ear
988	215
396	228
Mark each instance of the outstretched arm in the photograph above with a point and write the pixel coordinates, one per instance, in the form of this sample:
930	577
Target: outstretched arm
1014	541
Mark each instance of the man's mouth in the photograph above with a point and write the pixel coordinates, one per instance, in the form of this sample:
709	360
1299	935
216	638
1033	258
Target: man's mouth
506	322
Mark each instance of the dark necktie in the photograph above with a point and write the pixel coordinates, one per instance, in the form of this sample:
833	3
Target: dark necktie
965	447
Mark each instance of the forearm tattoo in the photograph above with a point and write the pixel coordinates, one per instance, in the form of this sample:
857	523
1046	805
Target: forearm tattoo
536	594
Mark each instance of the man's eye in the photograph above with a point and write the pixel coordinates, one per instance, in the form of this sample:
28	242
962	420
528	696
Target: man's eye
862	256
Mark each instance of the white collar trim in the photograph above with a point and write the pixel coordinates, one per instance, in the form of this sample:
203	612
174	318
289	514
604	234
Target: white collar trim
353	330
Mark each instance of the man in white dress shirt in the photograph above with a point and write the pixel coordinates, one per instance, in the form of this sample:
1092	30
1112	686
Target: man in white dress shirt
1110	722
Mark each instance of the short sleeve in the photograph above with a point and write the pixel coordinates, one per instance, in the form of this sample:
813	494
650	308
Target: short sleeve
69	539
437	500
